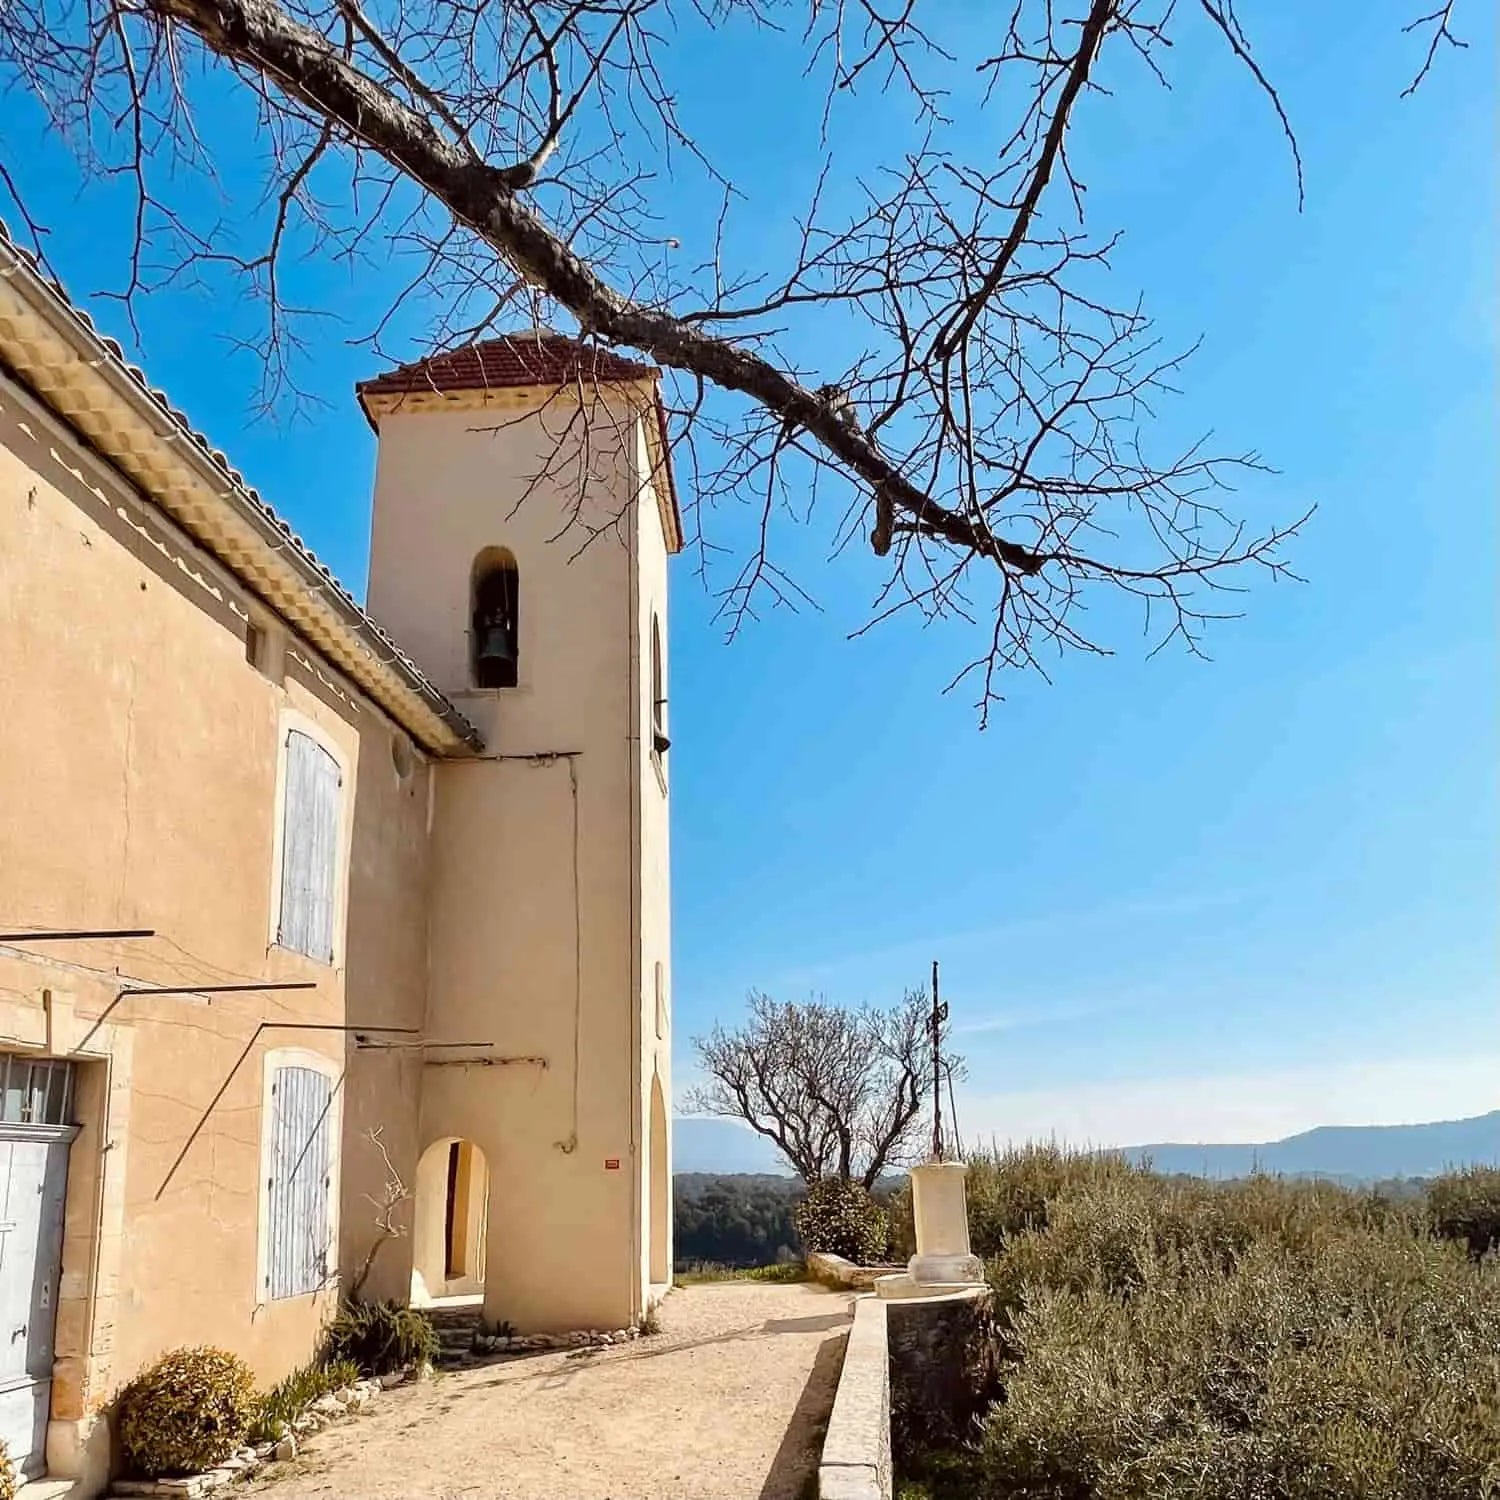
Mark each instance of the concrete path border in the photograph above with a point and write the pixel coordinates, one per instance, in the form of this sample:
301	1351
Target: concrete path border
856	1462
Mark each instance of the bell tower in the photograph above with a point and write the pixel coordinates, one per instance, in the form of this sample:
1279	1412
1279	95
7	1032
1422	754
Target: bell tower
524	514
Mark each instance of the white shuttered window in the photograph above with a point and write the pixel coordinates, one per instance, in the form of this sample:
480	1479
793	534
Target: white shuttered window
299	1182
309	848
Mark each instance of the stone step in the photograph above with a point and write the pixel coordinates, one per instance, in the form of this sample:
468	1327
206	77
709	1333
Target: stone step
456	1329
469	1312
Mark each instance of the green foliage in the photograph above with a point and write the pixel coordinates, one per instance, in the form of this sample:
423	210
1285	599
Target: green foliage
1364	1370
1191	1340
1112	1233
784	1271
901	1226
651	1319
943	1474
379	1337
187	1412
736	1220
1466	1206
1012	1191
838	1217
7	1475
288	1399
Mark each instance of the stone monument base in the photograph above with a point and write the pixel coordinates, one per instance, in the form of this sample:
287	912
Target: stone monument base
927	1270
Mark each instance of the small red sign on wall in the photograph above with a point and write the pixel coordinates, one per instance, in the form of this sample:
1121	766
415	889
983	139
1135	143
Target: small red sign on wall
611	1163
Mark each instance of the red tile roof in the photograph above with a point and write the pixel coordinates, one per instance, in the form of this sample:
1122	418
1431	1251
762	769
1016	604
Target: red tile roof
533	358
515	359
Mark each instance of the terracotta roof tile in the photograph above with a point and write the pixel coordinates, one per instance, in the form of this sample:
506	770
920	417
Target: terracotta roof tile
516	359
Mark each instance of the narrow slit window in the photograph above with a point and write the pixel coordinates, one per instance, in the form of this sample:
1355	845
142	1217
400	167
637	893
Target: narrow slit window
659	741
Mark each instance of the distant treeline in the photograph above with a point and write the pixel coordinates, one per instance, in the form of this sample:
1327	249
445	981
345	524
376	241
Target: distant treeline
742	1219
745	1218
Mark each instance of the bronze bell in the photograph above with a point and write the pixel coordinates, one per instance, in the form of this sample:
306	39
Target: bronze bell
497	645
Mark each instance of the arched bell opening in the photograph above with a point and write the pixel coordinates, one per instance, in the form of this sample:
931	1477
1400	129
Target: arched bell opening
495	620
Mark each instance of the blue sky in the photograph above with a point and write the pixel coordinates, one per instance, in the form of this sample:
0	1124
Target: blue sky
1173	899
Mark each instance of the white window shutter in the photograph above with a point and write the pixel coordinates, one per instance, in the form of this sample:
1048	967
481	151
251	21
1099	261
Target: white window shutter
298	1220
309	848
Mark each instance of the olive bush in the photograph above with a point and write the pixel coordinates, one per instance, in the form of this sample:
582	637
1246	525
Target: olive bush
1365	1370
838	1217
1465	1206
187	1412
1175	1339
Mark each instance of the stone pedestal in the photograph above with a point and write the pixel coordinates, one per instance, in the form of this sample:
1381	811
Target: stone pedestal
943	1265
942	1224
945	1270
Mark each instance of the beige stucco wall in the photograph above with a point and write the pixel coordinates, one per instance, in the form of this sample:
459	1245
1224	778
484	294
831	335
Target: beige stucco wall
140	752
652	775
536	861
386	985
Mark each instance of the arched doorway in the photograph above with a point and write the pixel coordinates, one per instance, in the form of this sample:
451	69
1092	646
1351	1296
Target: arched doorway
661	1190
452	1209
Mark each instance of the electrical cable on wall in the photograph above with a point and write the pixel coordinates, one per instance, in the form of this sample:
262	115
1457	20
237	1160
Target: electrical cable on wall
570	1145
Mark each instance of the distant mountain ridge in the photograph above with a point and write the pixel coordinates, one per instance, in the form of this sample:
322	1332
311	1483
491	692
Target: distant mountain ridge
720	1146
1352	1153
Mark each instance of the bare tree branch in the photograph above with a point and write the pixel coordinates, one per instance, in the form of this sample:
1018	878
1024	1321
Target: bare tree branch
837	1092
393	1196
1438	20
992	428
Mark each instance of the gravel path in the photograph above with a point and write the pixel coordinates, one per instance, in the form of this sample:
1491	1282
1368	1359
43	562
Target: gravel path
728	1402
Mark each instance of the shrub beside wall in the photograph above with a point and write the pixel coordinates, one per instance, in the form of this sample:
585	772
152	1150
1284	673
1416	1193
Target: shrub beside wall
838	1217
379	1337
1364	1370
279	1407
187	1412
1190	1340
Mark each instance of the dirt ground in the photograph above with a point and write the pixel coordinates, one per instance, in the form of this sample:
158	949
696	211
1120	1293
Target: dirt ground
728	1402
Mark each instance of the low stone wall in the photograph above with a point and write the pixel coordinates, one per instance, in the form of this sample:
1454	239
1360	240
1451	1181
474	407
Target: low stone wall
835	1271
856	1462
917	1372
942	1369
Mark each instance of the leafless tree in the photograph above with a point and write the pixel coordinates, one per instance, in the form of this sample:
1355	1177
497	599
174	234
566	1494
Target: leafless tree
990	433
840	1093
394	1195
